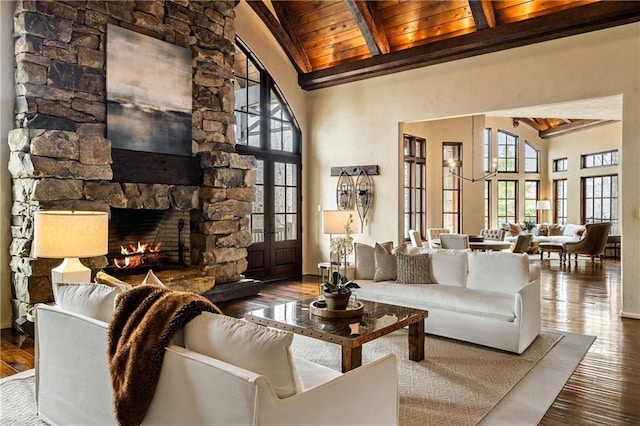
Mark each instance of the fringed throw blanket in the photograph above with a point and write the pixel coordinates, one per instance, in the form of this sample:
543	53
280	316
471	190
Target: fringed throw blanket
145	320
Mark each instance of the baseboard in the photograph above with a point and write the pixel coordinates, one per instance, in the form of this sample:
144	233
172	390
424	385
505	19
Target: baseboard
629	315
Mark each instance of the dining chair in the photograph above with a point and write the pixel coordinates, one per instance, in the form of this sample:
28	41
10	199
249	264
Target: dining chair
433	236
522	243
416	239
454	241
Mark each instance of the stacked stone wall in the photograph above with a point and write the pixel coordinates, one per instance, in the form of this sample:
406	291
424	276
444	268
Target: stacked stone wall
61	159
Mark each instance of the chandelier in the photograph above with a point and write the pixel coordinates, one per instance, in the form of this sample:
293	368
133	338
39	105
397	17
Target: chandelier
453	164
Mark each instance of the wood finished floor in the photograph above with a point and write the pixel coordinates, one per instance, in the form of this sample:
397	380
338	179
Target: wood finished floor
581	298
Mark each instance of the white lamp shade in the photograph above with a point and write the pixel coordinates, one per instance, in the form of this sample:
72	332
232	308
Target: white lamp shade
61	234
543	205
336	220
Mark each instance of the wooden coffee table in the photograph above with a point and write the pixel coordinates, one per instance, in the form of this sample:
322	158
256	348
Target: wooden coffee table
377	320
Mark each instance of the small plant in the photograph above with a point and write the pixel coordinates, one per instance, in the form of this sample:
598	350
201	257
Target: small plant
338	283
528	225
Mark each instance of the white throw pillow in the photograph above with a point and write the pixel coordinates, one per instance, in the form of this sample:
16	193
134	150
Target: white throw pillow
90	299
254	347
498	271
152	279
448	267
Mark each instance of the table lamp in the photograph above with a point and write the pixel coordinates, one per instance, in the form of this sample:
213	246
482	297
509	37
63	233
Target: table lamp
70	235
335	221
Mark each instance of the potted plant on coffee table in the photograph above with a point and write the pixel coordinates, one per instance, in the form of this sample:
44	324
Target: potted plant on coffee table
337	292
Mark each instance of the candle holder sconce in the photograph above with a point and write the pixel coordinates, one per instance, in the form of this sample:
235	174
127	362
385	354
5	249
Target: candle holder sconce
364	196
344	192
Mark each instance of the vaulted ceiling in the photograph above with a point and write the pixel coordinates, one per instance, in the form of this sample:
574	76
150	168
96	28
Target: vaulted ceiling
337	41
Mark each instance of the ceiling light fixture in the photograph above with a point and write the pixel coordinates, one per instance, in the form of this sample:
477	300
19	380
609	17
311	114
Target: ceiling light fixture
453	164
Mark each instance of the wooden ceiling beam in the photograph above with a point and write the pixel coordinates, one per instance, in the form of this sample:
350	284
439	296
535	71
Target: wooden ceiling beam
578	20
370	26
282	12
294	51
574	126
482	11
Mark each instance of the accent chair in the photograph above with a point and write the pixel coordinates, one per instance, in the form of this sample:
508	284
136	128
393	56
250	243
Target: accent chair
493	234
592	243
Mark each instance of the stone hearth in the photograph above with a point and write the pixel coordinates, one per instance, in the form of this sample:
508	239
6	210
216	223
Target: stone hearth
61	159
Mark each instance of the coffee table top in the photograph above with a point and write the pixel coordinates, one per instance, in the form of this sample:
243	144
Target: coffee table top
377	320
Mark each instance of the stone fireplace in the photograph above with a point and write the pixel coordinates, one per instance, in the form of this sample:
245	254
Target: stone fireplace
61	159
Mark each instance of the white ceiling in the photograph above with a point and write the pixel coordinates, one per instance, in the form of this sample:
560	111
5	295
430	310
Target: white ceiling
606	108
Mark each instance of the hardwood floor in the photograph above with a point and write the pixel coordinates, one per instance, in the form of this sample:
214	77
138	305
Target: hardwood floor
581	298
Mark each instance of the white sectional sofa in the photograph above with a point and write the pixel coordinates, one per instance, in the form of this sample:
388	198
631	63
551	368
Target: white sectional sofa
73	385
488	298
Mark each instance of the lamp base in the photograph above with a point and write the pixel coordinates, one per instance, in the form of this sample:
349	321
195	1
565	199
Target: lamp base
70	271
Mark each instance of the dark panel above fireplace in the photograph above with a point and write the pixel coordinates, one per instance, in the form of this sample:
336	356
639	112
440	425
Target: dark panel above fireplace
150	167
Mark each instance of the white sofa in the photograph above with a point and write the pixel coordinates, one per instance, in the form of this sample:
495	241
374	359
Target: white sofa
570	233
73	385
488	298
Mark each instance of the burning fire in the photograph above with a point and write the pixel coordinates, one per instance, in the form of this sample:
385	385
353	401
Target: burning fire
135	255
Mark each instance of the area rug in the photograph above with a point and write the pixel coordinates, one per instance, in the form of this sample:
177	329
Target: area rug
456	384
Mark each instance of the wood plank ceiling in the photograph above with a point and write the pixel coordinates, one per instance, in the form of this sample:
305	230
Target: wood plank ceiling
337	41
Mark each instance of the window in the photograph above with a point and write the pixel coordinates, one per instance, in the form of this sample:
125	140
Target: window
507	152
487	150
600	159
487	204
414	184
451	193
560	165
507	200
531	158
249	79
600	200
531	193
560	201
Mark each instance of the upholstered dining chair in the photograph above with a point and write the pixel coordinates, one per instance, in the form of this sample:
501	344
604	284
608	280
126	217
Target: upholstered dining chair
454	241
433	236
493	234
522	243
592	243
414	236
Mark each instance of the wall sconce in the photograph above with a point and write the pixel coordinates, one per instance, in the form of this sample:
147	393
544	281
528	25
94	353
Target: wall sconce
344	192
364	196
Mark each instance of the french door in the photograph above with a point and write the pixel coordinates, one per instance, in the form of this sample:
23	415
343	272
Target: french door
276	226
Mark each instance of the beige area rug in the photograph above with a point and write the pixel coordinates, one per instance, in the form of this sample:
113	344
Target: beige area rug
457	383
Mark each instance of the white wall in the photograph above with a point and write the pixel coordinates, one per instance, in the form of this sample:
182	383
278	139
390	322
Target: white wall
358	123
7	95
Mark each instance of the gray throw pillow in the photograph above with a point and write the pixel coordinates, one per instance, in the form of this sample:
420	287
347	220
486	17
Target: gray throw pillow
385	264
413	269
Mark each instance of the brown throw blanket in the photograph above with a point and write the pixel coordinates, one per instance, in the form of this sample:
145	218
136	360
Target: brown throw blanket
145	320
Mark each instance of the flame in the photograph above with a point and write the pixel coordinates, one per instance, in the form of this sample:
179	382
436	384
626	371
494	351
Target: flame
139	254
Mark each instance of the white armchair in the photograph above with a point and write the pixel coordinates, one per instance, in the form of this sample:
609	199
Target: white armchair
74	387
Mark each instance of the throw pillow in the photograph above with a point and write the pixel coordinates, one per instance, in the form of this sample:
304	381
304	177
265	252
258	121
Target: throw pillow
90	299
555	230
365	261
253	347
386	269
106	279
152	279
515	229
413	269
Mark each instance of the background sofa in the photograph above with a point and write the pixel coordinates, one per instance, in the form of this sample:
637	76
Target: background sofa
488	298
556	233
73	385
